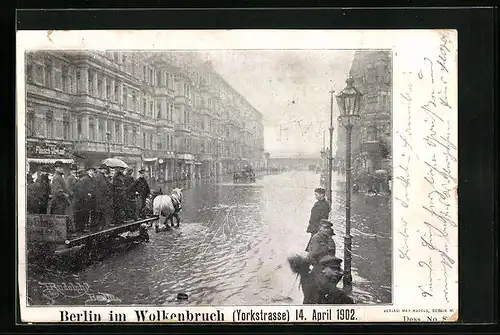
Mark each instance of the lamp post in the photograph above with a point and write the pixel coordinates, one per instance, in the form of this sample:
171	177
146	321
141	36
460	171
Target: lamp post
349	102
330	154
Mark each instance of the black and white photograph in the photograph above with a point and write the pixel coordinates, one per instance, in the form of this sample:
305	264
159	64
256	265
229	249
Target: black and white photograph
193	178
167	177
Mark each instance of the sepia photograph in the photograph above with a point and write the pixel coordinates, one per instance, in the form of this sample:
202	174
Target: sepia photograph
158	175
238	176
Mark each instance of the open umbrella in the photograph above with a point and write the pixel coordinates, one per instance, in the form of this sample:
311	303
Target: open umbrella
114	163
380	173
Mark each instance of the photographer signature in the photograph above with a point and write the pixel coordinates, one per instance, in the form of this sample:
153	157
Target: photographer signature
51	291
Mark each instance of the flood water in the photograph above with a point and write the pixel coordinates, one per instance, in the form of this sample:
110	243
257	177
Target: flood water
232	248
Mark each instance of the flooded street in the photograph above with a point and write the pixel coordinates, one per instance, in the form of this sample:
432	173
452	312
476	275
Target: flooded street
232	248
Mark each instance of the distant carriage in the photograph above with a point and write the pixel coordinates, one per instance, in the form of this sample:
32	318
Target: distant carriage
246	175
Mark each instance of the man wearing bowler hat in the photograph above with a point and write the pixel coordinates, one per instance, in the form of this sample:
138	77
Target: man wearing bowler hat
39	192
322	243
320	210
59	191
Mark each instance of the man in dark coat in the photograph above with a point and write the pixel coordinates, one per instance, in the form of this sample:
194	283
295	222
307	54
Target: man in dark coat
87	201
119	198
129	195
39	192
104	197
71	181
322	243
320	210
82	199
141	187
60	193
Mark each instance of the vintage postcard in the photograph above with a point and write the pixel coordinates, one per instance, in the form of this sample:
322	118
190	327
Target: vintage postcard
237	176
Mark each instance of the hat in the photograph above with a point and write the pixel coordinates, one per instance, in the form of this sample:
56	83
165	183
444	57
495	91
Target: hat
330	259
58	164
103	166
320	190
142	171
90	168
326	223
81	173
45	168
73	167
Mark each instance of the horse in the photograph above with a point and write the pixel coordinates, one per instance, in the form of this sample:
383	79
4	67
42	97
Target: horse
314	294
163	206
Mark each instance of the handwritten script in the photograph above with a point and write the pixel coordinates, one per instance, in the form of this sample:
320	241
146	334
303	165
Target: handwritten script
429	121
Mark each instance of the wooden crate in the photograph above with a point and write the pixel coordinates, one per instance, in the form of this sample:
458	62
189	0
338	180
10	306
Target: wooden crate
46	228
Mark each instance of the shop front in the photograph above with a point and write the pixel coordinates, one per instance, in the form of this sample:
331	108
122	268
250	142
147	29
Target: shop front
185	170
40	153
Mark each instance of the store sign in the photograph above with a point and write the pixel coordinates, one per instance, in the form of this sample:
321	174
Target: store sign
46	150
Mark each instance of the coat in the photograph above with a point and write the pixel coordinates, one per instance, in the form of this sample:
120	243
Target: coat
320	210
141	186
119	189
71	183
60	195
103	193
129	182
38	195
321	245
85	194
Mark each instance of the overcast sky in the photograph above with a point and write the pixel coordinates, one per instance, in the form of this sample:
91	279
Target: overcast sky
291	90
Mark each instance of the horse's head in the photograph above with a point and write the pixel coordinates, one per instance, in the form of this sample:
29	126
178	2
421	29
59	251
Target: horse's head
178	193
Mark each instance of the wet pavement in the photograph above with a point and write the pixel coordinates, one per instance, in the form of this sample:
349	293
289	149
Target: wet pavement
231	249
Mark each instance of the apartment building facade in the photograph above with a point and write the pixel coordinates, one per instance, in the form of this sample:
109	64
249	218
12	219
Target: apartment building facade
168	112
372	136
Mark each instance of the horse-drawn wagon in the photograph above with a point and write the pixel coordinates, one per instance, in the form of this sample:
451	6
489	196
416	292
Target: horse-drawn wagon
49	236
246	175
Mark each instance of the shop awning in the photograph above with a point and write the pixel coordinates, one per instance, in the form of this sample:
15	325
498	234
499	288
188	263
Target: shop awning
197	163
50	160
150	159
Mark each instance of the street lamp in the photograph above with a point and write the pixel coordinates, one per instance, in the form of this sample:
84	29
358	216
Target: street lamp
349	102
330	156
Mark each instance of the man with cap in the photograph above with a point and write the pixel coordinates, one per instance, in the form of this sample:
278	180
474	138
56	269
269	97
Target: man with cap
104	197
129	195
141	187
59	191
39	192
322	243
320	210
326	274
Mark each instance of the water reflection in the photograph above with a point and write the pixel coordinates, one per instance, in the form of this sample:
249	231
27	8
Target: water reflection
232	247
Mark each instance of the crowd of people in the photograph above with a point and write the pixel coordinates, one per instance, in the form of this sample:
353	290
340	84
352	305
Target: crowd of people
96	197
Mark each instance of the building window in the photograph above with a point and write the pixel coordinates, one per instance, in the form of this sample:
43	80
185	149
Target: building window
92	132
125	135
102	135
143	140
150	141
108	91
99	88
158	108
159	143
49	124
38	73
151	107
48	74
66	128
79	127
134	102
144	104
134	134
30	124
91	83
125	97
118	133
117	95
